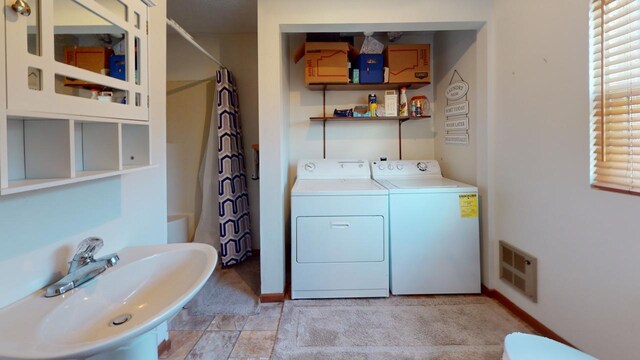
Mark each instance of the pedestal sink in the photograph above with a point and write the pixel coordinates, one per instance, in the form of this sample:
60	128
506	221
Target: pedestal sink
112	316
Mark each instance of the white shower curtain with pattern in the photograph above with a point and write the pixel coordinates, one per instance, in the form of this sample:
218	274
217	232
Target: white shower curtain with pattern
233	203
234	228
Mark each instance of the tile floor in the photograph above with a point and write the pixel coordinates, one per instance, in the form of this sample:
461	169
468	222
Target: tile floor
211	327
224	337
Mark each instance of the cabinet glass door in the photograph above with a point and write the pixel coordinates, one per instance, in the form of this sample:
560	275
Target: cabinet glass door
79	57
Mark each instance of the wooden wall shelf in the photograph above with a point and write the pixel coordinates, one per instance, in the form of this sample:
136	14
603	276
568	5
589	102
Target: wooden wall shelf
357	87
401	118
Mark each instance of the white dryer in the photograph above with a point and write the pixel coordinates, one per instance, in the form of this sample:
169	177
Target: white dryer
433	229
339	231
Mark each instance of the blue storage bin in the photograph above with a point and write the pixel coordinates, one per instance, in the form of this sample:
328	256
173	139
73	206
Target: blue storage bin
371	68
118	67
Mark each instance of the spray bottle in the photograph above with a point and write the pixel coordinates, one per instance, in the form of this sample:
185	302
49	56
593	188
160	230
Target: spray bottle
403	102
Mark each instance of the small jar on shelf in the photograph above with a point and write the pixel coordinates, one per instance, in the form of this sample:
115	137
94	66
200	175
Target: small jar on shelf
419	106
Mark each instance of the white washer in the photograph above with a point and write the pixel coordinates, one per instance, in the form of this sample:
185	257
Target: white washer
433	229
339	231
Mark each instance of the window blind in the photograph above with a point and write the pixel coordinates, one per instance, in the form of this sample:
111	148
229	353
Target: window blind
615	94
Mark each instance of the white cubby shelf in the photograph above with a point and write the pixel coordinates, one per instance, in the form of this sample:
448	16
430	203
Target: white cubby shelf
47	152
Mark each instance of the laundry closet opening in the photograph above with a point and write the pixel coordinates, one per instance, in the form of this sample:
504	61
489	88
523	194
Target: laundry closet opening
453	58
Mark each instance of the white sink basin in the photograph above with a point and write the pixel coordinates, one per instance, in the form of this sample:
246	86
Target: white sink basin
150	283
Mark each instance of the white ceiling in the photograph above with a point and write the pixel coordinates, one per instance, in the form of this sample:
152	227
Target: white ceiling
215	16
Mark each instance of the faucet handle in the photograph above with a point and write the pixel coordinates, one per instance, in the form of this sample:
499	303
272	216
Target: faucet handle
89	246
84	254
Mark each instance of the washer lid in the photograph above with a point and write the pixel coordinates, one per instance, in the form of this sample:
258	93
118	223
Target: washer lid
519	346
341	187
425	184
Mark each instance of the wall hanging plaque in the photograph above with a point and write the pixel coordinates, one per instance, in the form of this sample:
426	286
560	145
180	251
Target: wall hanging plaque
457	109
456	139
456	91
457	124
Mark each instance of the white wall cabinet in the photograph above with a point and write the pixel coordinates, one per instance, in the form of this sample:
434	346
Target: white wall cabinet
54	53
77	105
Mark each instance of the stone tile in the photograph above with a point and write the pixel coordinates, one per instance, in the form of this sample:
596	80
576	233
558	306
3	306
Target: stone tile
254	344
185	321
214	345
249	358
266	319
181	343
228	322
262	322
270	309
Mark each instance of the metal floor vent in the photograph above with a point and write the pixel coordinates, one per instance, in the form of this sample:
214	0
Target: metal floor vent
519	270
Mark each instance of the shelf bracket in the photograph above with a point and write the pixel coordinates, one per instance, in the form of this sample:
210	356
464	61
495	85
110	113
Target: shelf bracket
400	121
324	136
324	122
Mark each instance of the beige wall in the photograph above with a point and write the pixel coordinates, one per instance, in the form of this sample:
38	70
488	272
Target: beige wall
456	50
190	104
189	109
585	239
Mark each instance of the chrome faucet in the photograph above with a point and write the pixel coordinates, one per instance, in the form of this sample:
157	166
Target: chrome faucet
83	267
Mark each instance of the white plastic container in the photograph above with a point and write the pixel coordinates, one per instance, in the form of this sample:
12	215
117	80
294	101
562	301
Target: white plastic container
390	103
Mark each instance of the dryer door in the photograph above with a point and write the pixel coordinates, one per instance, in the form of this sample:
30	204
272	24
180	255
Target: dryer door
339	239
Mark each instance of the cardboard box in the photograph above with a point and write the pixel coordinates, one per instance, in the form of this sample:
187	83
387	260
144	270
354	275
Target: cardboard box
371	68
408	63
92	58
325	62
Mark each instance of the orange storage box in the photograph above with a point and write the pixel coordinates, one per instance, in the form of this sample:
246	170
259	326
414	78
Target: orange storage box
92	58
325	62
408	63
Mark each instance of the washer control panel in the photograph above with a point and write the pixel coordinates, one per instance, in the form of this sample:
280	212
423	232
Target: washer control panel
405	168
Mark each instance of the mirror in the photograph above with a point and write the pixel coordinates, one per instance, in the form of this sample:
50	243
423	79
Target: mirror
33	29
96	92
86	40
137	63
89	41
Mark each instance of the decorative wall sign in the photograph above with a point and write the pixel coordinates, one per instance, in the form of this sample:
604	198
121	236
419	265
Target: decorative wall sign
457	90
456	139
457	109
457	124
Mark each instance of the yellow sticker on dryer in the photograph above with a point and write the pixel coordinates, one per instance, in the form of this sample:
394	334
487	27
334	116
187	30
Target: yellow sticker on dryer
468	205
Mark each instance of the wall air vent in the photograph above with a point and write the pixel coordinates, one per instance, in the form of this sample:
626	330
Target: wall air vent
519	269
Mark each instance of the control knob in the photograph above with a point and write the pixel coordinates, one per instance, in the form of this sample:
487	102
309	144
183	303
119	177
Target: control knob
310	166
399	166
422	166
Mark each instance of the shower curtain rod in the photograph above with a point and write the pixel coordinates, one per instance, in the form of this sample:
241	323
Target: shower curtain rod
193	42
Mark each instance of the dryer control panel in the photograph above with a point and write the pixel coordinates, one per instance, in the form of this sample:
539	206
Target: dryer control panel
315	169
405	168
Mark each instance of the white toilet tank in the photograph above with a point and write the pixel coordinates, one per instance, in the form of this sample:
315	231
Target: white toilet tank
519	346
